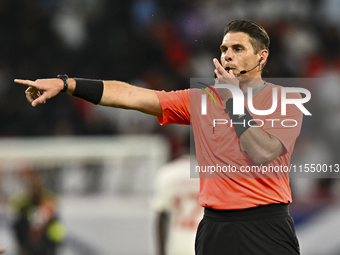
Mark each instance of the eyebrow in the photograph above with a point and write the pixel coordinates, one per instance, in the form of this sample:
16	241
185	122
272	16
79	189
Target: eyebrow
233	46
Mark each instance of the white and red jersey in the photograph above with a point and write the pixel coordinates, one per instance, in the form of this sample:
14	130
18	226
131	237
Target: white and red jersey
177	194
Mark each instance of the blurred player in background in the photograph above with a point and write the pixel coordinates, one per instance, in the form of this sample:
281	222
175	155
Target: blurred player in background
244	214
176	203
35	225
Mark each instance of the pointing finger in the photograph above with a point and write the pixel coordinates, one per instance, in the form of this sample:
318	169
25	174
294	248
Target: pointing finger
25	82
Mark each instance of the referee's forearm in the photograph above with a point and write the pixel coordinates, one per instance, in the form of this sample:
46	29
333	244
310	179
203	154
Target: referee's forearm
123	95
262	147
117	94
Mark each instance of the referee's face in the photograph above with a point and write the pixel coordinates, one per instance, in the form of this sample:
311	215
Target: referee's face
238	53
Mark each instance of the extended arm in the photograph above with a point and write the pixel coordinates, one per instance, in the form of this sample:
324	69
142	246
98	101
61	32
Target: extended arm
115	94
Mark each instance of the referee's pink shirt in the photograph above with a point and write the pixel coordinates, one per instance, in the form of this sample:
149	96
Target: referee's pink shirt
219	146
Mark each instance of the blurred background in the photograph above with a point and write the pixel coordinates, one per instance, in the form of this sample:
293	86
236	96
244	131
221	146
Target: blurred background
94	167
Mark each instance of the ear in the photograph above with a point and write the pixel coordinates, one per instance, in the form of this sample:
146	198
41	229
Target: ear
263	54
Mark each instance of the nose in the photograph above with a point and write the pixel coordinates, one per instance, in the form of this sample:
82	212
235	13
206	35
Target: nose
228	56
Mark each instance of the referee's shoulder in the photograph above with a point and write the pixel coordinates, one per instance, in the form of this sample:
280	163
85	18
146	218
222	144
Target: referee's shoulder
289	94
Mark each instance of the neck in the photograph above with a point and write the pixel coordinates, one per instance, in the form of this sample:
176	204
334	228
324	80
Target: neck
245	83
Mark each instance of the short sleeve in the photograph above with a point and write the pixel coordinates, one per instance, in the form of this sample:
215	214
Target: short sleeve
175	107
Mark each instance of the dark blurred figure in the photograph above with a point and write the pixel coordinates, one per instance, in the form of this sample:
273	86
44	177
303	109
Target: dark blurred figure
35	225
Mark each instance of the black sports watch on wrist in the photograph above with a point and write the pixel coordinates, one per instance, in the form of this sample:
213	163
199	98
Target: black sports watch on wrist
64	77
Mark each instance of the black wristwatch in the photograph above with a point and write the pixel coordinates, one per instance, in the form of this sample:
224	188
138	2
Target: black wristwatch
64	77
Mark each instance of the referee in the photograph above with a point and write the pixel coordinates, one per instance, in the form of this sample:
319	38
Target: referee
244	213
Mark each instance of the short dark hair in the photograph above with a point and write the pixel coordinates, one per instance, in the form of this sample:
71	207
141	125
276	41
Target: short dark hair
259	38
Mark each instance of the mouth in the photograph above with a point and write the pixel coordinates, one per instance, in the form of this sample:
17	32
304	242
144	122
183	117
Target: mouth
228	68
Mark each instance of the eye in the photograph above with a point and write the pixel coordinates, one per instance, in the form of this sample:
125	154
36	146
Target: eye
238	49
